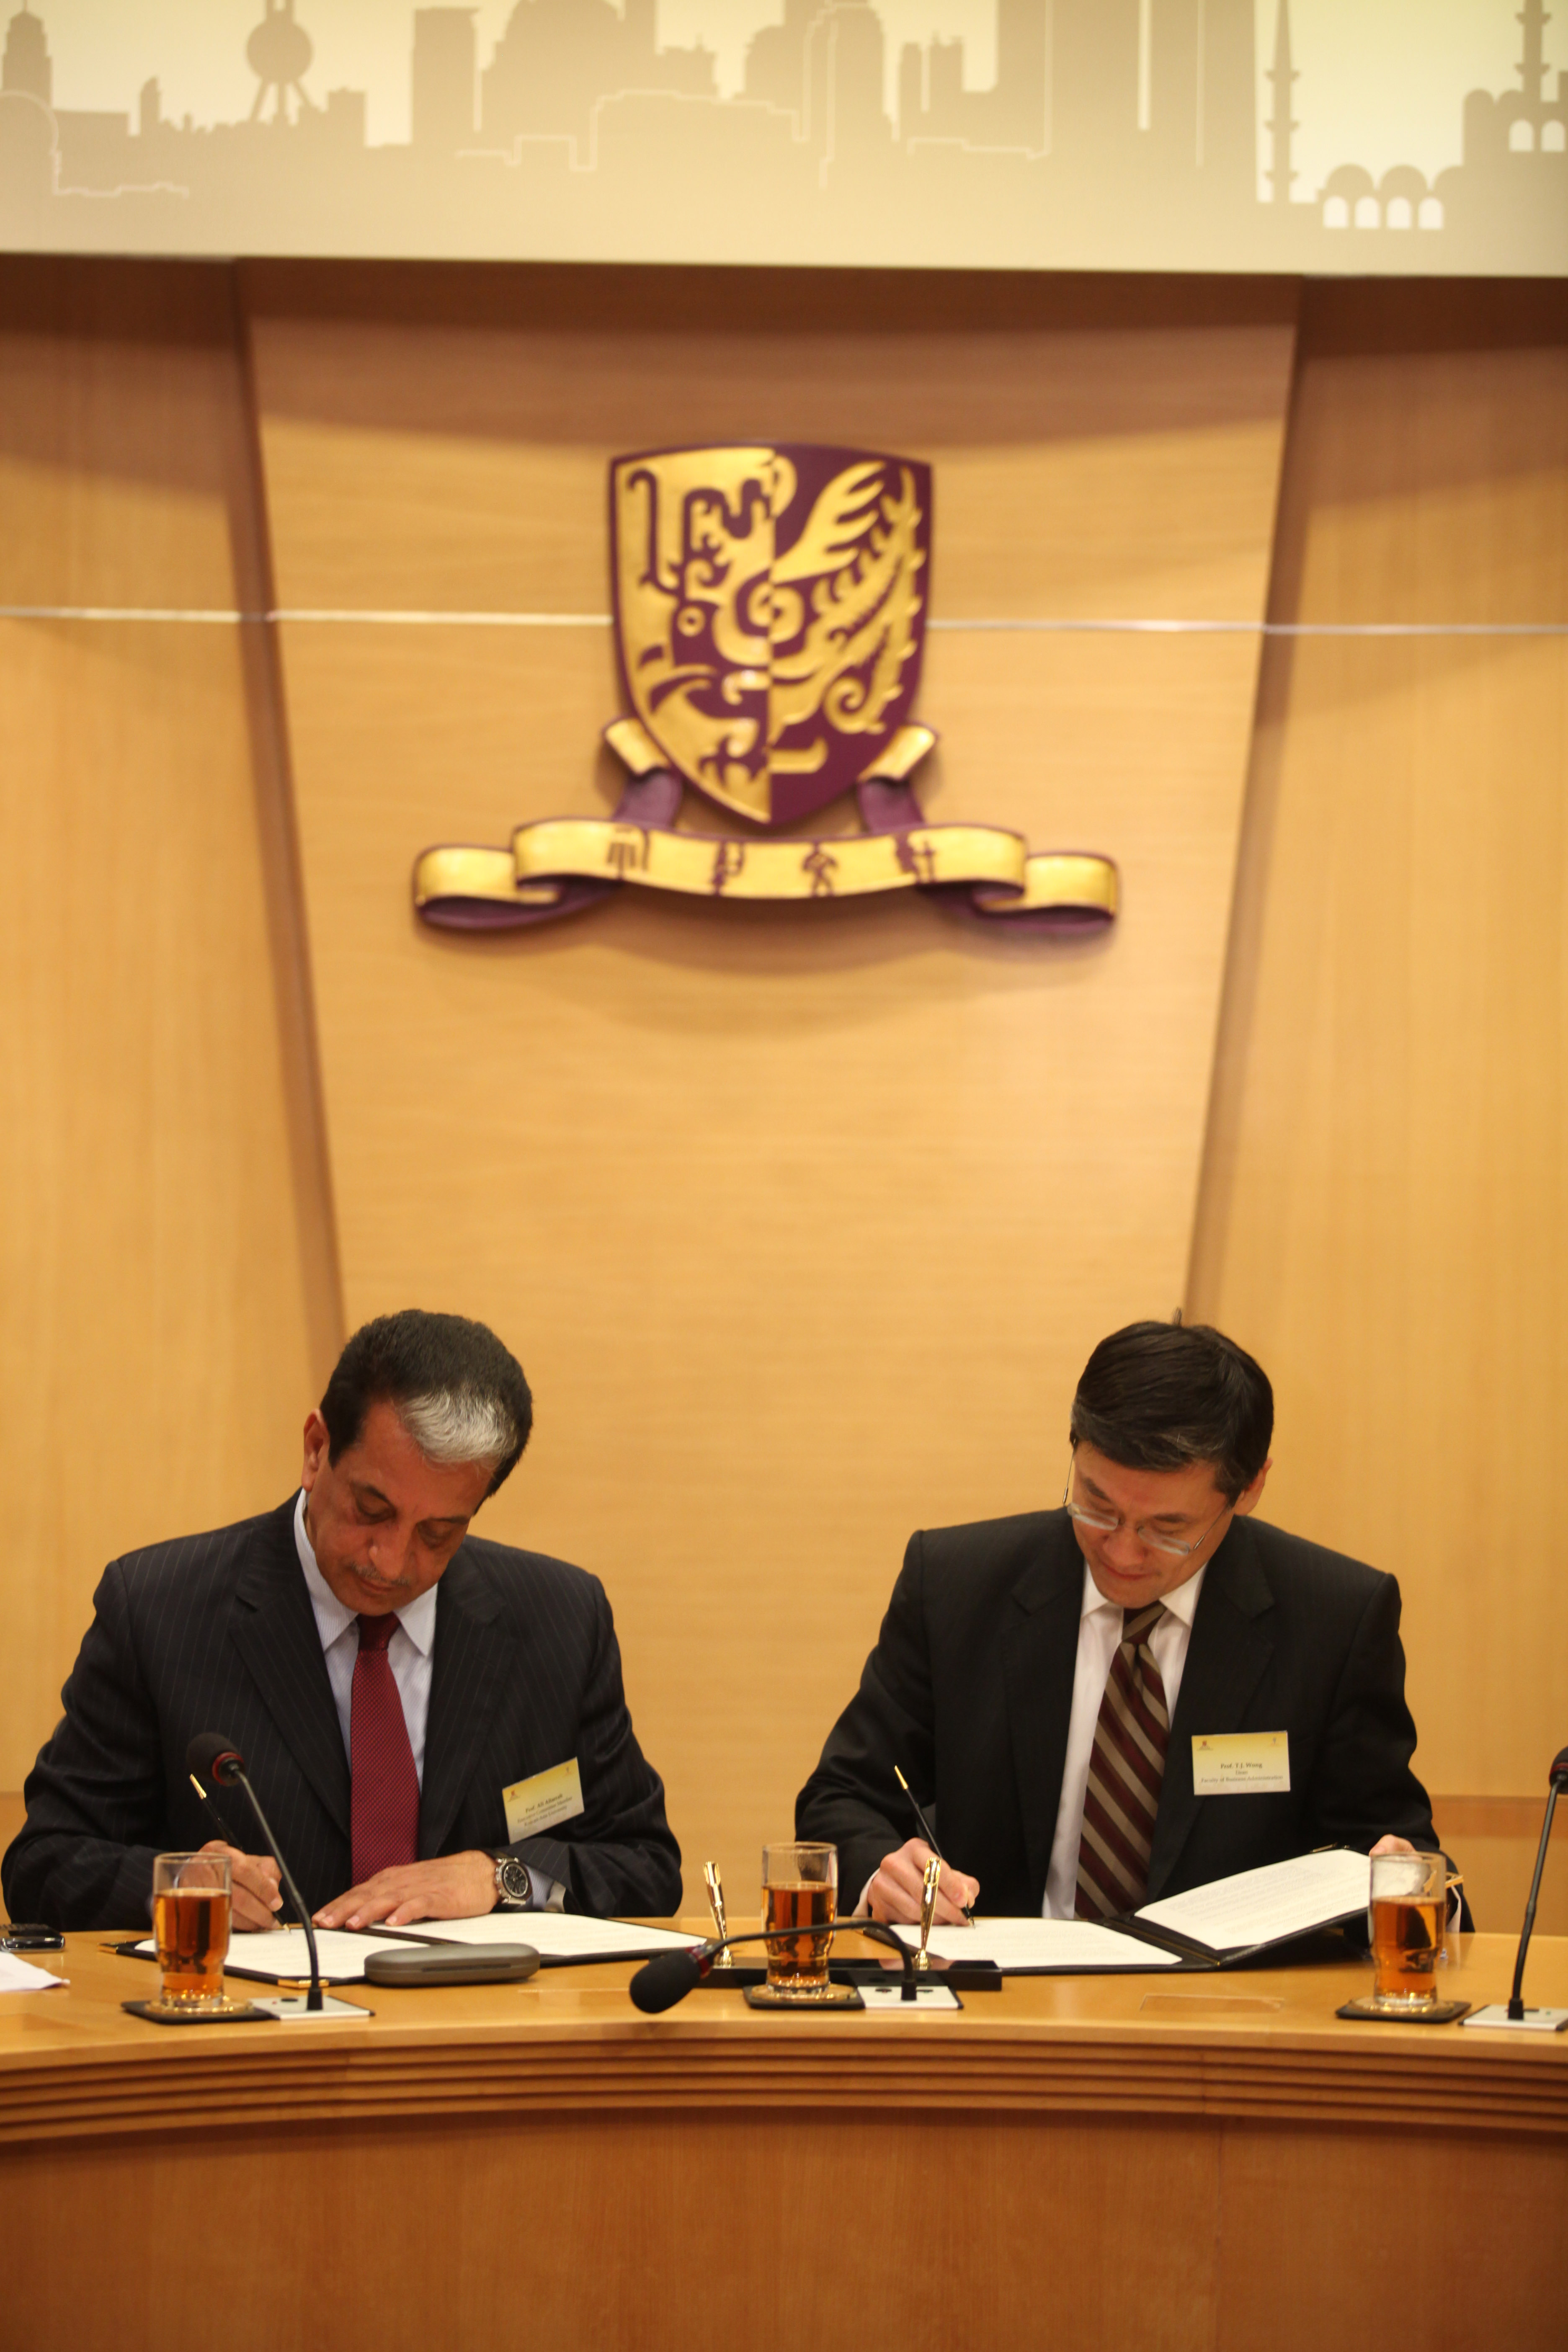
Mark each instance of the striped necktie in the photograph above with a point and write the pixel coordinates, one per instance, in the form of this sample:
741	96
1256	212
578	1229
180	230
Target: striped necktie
1125	1769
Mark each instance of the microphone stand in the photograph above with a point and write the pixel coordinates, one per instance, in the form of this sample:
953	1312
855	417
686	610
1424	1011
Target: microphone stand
235	1772
1516	1998
1538	2021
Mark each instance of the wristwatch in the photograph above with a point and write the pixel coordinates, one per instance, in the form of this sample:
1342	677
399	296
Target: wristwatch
514	1885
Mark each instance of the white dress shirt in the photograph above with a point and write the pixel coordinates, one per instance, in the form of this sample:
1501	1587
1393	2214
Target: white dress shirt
412	1655
1098	1637
411	1651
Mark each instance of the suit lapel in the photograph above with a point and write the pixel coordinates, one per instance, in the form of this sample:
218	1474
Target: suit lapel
475	1660
273	1627
1231	1646
1039	1658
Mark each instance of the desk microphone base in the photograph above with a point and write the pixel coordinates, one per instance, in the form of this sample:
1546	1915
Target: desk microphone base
290	2009
1534	2021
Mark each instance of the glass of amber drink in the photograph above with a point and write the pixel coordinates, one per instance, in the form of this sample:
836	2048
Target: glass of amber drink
191	1895
800	1891
1409	1907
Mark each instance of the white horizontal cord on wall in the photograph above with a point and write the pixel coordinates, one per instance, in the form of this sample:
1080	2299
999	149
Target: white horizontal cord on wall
203	613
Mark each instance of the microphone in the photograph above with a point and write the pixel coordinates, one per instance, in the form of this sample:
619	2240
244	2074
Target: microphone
659	1983
1557	1781
210	1754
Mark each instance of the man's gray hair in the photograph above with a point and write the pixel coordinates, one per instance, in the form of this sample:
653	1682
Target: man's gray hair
452	1425
459	1394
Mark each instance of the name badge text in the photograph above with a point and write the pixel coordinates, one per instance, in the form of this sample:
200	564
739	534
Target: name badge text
1241	1763
542	1800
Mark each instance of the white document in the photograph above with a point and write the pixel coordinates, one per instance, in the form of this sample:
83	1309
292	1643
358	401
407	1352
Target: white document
21	1976
1263	1906
1040	1944
281	1953
557	1935
553	1934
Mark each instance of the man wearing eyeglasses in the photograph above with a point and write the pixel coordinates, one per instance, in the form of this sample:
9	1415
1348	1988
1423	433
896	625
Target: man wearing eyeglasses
1039	1681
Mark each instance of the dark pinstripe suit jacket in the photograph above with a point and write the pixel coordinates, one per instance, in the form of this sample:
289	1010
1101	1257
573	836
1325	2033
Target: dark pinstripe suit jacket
215	1632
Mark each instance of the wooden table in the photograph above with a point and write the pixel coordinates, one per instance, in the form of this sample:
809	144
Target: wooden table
1132	2162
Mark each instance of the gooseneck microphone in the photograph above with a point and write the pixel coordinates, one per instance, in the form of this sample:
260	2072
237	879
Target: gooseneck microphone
1557	1781
659	1983
213	1757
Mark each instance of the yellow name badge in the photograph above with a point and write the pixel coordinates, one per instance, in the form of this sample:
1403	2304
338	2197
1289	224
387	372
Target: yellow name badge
544	1800
1241	1763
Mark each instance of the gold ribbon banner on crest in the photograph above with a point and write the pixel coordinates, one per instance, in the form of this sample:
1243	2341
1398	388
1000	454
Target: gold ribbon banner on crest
467	888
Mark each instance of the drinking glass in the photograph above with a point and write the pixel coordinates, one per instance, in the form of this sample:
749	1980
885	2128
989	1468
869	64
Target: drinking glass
799	1893
1409	1907
192	1897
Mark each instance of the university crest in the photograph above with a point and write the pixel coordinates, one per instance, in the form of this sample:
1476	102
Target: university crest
770	609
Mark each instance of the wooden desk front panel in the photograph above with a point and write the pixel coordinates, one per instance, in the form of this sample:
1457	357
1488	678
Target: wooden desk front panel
1190	2165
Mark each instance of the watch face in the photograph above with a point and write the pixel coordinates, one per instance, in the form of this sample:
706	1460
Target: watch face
516	1886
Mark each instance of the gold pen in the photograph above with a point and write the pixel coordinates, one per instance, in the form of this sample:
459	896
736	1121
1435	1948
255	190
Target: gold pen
711	1880
929	1886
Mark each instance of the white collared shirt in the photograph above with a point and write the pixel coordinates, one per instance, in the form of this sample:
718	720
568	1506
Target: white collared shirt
411	1651
412	1655
1098	1637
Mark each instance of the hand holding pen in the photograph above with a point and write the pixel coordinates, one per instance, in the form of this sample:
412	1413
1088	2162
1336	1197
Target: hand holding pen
896	1891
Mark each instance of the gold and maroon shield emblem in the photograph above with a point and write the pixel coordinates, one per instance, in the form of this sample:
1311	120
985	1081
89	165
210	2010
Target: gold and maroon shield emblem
769	613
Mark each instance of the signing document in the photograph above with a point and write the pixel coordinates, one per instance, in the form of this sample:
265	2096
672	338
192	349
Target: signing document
1230	1920
1258	1907
279	1955
1016	1946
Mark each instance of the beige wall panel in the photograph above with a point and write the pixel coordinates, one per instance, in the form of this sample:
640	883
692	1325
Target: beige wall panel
159	1348
802	1221
1386	1197
1098	450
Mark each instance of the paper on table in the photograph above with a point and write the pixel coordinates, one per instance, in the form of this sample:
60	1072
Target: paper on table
557	1935
553	1935
1263	1906
1041	1944
21	1976
281	1953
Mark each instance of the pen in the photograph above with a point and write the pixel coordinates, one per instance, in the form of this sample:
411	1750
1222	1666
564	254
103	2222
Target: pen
213	1814
217	1820
926	1830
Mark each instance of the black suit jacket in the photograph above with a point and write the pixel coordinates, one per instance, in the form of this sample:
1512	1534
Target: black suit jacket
969	1690
215	1632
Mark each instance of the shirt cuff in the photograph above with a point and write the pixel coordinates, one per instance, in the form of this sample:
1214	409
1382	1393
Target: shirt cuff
549	1895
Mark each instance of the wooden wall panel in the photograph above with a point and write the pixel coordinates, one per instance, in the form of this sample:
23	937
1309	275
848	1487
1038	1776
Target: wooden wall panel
802	1221
159	1220
1384	1210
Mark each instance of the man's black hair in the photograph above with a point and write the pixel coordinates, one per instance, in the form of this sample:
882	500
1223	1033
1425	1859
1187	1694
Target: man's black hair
412	1356
1158	1396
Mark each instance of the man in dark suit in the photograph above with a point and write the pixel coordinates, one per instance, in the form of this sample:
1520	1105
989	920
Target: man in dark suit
386	1676
1040	1680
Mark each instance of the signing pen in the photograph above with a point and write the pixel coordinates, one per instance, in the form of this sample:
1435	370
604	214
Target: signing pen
926	1830
212	1812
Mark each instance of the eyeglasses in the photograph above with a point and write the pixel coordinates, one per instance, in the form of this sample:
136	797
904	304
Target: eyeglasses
1172	1546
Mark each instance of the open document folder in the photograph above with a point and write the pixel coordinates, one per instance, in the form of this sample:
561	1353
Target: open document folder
278	1956
1211	1928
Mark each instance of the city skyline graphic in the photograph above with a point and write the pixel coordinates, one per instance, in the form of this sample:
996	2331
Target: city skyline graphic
1111	134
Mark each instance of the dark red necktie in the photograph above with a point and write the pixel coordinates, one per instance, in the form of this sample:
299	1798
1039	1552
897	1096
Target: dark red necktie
385	1795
